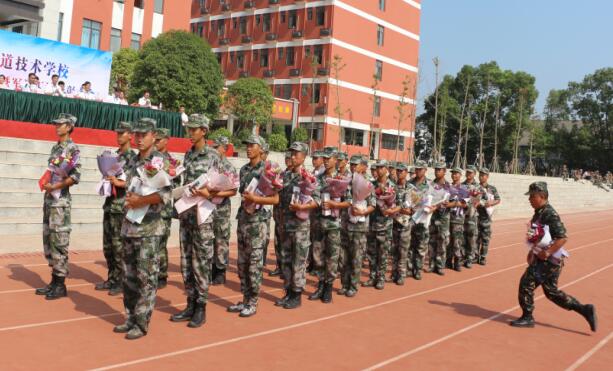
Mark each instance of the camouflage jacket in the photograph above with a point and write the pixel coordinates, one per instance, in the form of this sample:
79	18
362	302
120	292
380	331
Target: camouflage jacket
487	189
455	216
66	148
291	222
329	222
198	162
402	193
363	226
247	173
471	212
441	213
421	187
152	224
378	221
115	204
547	215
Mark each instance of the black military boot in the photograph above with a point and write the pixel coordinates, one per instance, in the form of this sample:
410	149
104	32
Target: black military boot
58	290
526	320
417	273
281	302
319	292
439	271
294	301
186	314
199	316
46	289
326	296
162	282
457	266
588	312
220	277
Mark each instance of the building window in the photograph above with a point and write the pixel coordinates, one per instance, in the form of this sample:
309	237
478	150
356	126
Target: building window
139	4
257	19
376	110
240	59
255	55
318	52
90	35
293	19
283	16
234	23
115	39
221	27
266	23
310	14
382	5
378	70
307	51
283	91
321	15
158	6
243	25
218	55
280	54
316	93
380	31
231	57
304	90
314	130
135	41
60	25
289	56
390	141
200	29
354	137
264	58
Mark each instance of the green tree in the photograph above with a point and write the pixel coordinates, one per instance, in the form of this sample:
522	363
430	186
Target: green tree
122	68
250	100
277	142
300	134
221	132
179	68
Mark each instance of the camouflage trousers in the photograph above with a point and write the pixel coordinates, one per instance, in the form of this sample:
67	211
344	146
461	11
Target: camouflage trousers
483	239
221	229
326	252
141	268
439	239
112	246
383	245
196	255
470	233
371	252
419	246
266	242
293	259
546	274
251	239
56	238
343	250
315	237
352	258
164	249
277	241
401	243
456	242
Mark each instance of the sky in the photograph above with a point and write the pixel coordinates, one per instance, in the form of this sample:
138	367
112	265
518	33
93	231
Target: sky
557	41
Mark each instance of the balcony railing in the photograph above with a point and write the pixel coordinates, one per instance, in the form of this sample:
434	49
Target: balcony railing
271	36
225	7
246	39
320	110
323	32
297	34
294	72
243	74
269	73
249	4
224	41
322	71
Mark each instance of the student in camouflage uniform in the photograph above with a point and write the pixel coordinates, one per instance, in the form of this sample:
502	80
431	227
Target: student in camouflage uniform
296	240
277	214
316	235
221	217
381	226
485	220
401	228
197	240
439	224
330	225
370	254
471	219
544	268
343	257
457	207
56	212
112	246
251	230
343	170
419	233
141	240
264	156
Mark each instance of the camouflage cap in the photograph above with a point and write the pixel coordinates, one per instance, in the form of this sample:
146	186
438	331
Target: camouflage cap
420	164
221	141
457	170
342	156
317	153
484	170
440	165
255	139
198	120
123	126
400	166
373	166
471	169
537	187
329	152
65	118
411	169
144	125
381	163
288	154
355	159
266	147
363	160
161	133
330	149
300	147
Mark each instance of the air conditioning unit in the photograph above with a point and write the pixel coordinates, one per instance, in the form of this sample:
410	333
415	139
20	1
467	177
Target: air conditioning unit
294	72
225	7
224	41
246	39
322	71
243	74
269	73
320	110
273	2
296	34
271	36
324	32
204	10
249	4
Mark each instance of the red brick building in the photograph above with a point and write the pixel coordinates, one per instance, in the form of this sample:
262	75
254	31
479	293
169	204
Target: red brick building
292	45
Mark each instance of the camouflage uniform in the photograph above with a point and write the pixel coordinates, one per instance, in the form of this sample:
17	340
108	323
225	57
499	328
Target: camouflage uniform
456	233
277	214
112	220
56	214
439	236
419	236
381	227
315	249
197	241
167	214
141	253
371	247
222	225
471	219
484	225
401	231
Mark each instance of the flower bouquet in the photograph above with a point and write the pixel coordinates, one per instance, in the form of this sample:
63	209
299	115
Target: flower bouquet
425	201
361	188
58	170
302	193
269	183
487	197
386	197
222	181
109	165
538	238
458	194
185	199
175	168
152	177
335	189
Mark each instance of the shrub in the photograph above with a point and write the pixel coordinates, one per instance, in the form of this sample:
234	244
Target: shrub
277	142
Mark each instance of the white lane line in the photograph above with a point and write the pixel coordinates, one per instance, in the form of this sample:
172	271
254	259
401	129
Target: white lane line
321	319
590	353
468	328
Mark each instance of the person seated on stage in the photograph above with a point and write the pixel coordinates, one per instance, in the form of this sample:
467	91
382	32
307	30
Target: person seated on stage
4	82
86	92
144	101
51	89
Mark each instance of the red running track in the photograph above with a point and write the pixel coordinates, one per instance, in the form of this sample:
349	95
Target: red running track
459	321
